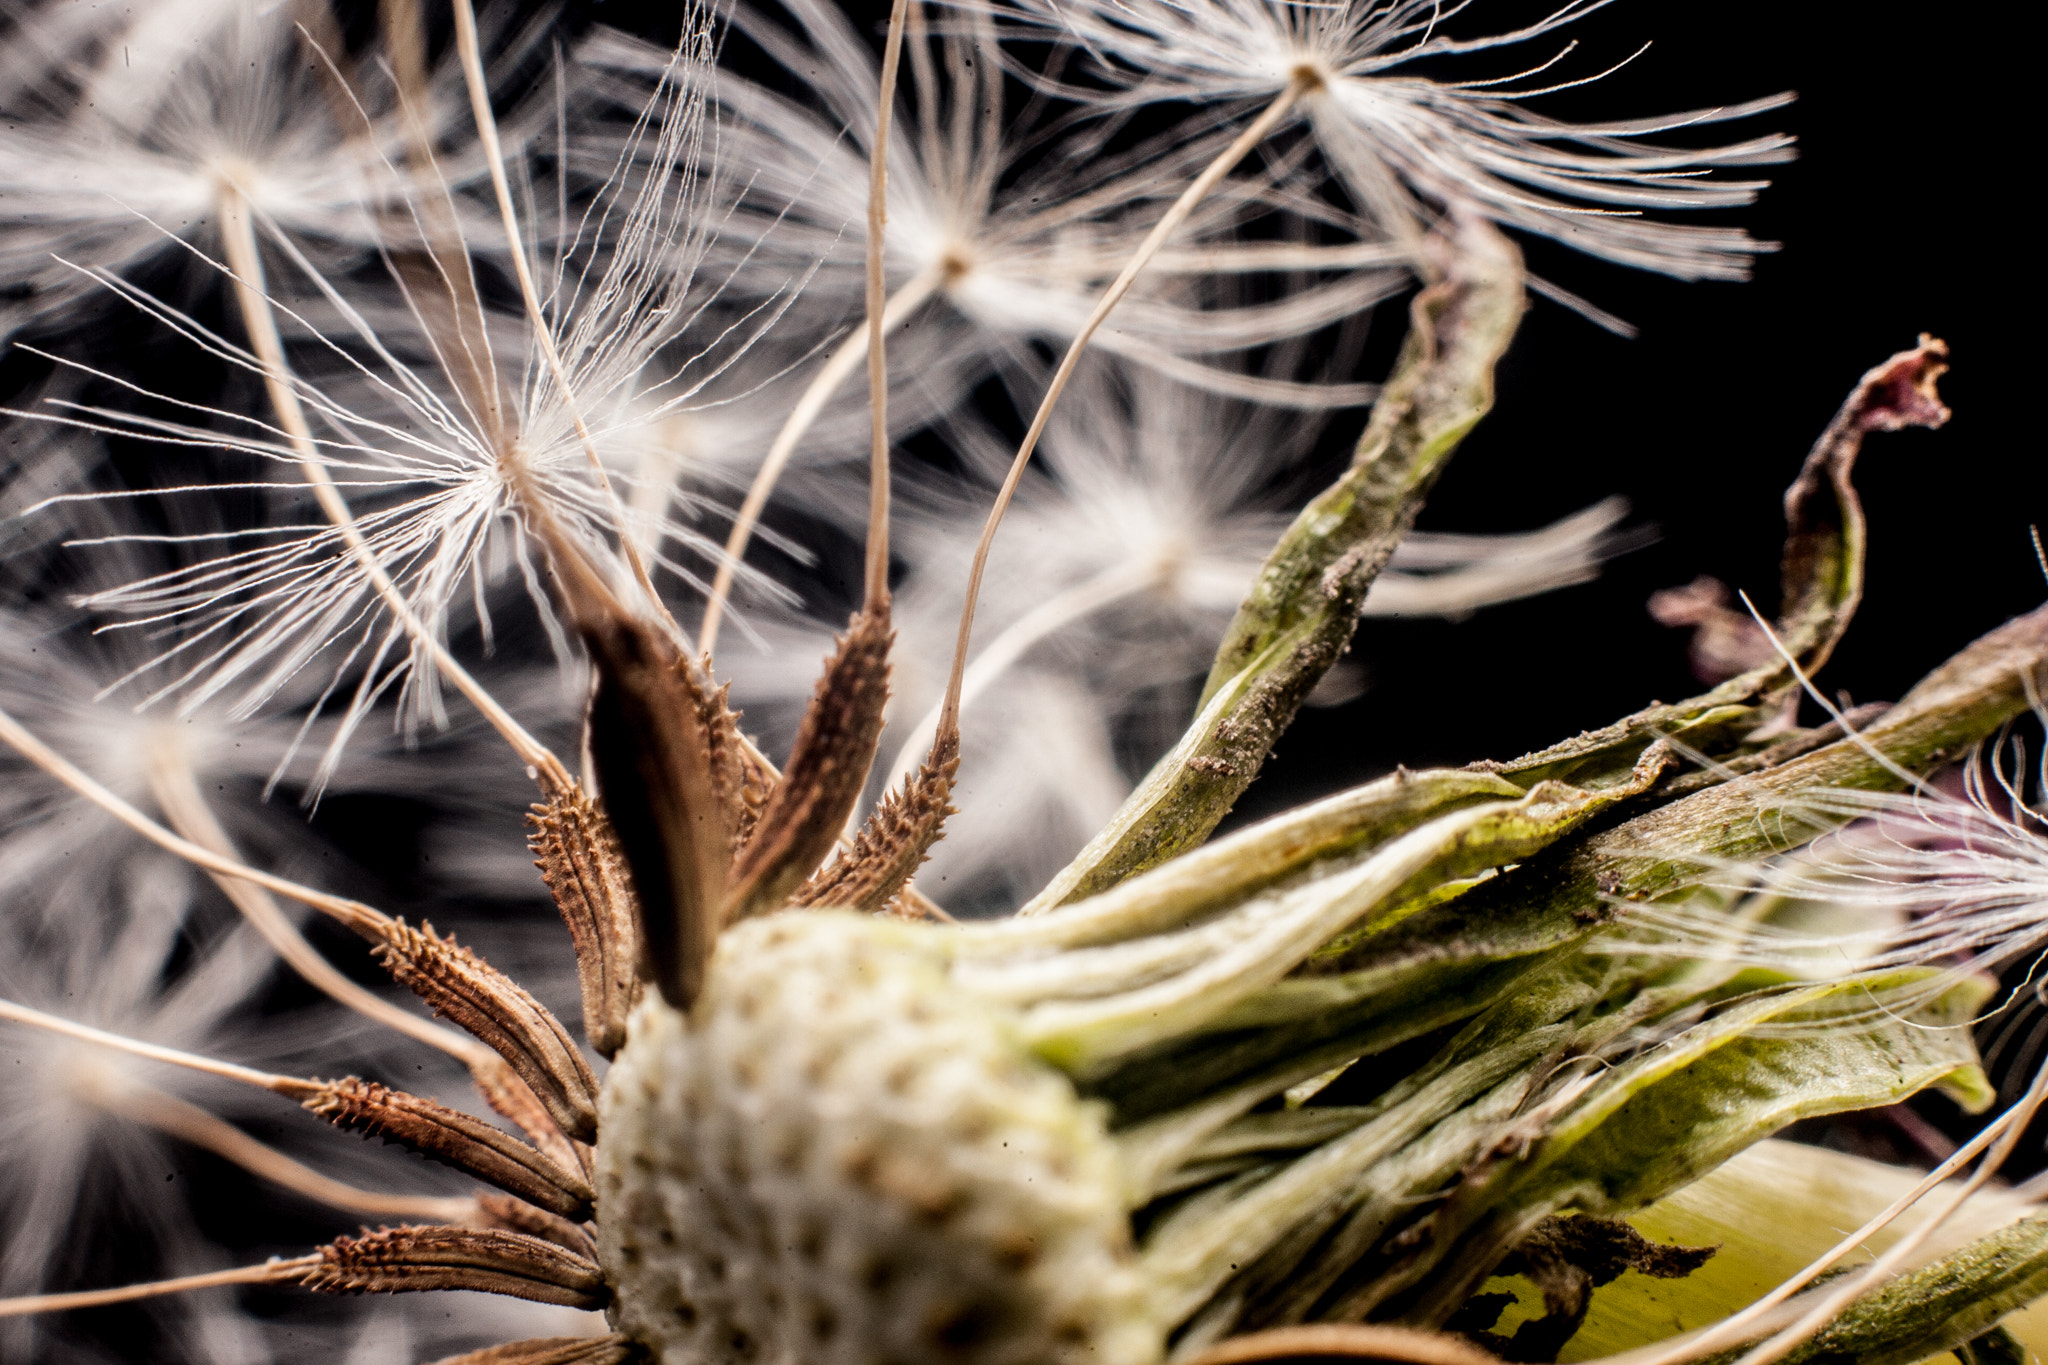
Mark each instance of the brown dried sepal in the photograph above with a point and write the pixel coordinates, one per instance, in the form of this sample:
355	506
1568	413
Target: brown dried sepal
464	988
894	841
516	1215
409	1260
605	1350
584	868
741	778
455	1139
663	778
835	746
514	1099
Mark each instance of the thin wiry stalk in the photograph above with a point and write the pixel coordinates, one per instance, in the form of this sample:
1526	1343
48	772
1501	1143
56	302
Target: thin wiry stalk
907	300
1301	84
189	1123
270	1272
1343	1341
354	914
227	1071
876	587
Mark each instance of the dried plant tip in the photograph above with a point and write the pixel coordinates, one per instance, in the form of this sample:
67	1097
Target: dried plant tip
411	1260
659	769
741	778
605	1350
1822	577
463	987
1825	531
891	845
455	1139
1568	1258
835	747
584	868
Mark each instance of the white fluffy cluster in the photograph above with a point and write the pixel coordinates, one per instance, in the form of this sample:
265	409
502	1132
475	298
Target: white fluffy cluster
838	1157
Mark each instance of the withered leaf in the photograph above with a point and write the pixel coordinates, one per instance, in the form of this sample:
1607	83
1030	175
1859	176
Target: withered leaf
835	746
1825	530
1822	572
410	1260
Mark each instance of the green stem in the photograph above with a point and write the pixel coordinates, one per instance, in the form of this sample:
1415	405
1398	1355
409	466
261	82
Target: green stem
1956	1301
1301	613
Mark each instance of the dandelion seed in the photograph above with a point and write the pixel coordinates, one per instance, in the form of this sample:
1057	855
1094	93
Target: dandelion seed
1932	878
984	258
1406	145
439	459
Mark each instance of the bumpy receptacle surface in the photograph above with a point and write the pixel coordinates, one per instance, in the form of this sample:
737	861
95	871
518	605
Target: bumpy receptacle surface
838	1158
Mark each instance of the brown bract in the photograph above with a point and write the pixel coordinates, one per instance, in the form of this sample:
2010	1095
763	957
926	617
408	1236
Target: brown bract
490	1260
894	841
584	869
456	1139
502	1015
828	767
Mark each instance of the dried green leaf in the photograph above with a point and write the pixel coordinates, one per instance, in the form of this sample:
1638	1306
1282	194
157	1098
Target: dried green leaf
1567	892
1822	572
1661	1120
